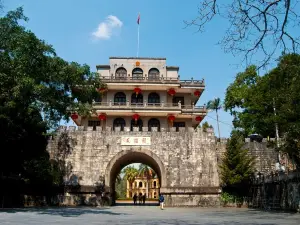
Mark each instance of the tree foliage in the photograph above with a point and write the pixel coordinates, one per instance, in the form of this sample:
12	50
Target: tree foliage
237	165
255	27
33	76
37	90
259	103
205	126
215	105
130	173
146	171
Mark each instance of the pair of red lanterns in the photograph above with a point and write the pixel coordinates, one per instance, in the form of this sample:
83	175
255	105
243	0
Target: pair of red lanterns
101	116
173	92
171	118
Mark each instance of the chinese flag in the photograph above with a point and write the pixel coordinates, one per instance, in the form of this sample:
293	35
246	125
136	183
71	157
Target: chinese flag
138	20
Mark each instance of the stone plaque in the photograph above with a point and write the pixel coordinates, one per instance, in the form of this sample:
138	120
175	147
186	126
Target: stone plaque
131	140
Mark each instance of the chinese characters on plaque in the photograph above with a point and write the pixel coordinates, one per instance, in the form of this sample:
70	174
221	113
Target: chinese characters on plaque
135	140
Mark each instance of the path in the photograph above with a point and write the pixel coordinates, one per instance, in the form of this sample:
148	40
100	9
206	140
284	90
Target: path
138	215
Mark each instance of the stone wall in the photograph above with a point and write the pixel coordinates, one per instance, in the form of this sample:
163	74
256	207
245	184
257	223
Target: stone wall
276	191
265	157
185	161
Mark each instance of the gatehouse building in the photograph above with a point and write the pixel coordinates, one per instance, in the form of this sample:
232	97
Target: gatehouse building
145	114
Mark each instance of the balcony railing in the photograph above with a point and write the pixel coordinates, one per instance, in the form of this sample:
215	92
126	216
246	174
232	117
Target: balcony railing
128	79
148	106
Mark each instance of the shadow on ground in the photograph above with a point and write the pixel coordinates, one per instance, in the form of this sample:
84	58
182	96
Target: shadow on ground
131	204
64	212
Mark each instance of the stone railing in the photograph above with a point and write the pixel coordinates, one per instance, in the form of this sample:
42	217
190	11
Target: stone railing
150	106
135	129
263	140
158	79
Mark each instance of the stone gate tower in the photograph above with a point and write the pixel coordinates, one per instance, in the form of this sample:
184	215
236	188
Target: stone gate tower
145	115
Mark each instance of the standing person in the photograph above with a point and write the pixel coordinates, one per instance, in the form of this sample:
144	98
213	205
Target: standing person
134	199
161	201
144	199
140	198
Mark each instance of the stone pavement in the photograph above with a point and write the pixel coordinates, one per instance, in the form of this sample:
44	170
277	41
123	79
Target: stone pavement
139	215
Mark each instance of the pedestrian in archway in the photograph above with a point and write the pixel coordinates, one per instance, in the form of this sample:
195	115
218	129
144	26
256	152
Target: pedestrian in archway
161	201
140	198
144	199
134	199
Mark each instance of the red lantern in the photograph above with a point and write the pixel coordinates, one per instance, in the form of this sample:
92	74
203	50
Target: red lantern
137	91
171	92
171	118
135	117
198	118
197	93
102	116
74	116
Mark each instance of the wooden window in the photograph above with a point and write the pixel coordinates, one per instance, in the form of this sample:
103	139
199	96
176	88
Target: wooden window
153	98
153	123
120	98
121	73
94	124
119	122
137	74
153	74
178	124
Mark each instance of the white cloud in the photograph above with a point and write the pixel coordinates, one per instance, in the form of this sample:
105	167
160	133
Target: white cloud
106	28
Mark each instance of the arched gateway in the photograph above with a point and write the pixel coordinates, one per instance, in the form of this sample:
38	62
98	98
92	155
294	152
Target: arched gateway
185	162
124	158
159	133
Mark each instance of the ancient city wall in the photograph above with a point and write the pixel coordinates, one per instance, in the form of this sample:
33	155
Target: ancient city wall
186	160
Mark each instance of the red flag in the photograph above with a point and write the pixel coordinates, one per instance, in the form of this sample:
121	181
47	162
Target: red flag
138	20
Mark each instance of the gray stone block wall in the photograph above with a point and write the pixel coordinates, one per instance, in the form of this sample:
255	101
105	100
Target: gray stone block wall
185	160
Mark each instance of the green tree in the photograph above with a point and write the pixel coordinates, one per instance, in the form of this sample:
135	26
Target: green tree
121	185
269	103
148	172
37	90
130	174
215	105
237	166
205	126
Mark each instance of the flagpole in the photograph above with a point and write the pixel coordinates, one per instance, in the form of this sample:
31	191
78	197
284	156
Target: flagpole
138	44
138	48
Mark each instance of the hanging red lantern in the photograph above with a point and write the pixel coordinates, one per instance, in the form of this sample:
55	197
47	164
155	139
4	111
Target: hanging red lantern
74	116
137	91
171	118
101	90
135	117
199	118
102	116
171	92
197	93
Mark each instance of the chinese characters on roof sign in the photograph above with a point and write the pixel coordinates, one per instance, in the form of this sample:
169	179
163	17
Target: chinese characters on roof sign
132	140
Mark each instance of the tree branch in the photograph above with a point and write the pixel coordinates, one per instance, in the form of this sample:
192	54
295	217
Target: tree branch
255	26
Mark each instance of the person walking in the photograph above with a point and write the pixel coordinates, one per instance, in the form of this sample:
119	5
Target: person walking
161	201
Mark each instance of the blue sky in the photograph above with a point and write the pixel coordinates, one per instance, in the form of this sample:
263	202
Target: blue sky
69	25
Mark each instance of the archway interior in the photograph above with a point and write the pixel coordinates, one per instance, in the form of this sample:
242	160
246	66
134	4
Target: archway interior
130	158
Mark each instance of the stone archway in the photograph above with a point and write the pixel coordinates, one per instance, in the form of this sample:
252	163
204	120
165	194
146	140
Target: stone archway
126	157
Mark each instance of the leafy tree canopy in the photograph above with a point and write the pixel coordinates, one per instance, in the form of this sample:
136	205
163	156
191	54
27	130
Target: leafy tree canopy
33	76
258	103
37	89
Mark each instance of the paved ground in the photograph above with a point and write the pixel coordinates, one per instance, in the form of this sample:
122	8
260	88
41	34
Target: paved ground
141	215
